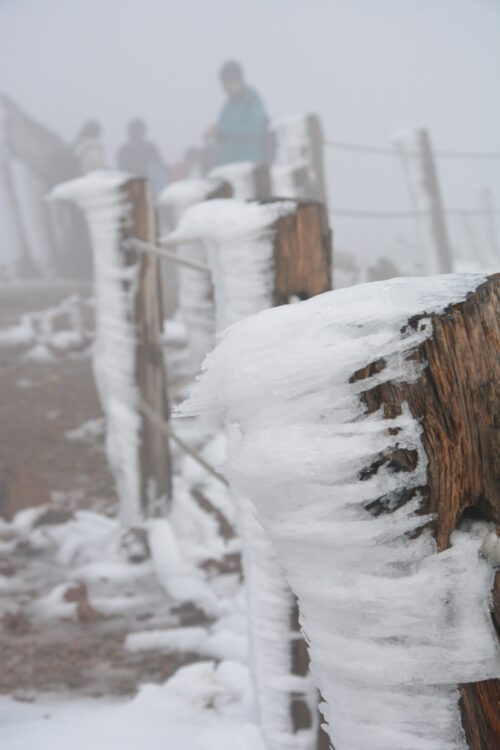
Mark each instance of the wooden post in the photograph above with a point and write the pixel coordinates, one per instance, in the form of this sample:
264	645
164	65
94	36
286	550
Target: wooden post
436	204
418	161
316	140
302	253
155	465
457	402
302	269
299	170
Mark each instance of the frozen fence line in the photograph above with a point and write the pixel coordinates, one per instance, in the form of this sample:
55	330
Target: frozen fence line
167	428
187	291
257	260
128	365
361	437
258	255
161	251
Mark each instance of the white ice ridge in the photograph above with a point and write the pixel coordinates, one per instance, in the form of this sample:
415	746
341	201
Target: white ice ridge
293	154
392	624
182	194
241	177
238	238
196	304
107	210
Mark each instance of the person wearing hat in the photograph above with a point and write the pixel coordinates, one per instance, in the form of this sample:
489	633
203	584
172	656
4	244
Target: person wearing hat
241	132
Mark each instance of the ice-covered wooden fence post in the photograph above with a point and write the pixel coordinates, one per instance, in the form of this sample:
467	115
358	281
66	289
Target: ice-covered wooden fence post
417	156
248	181
188	290
298	170
128	358
155	473
367	440
457	403
262	255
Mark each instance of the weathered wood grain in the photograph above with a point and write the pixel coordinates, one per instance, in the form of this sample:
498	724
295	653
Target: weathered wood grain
156	487
457	402
302	253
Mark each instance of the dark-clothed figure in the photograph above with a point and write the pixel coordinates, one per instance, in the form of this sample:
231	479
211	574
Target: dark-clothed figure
241	132
142	157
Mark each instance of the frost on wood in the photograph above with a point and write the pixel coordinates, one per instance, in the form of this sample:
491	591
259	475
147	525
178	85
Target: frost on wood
298	171
341	475
238	238
195	290
128	317
248	181
240	243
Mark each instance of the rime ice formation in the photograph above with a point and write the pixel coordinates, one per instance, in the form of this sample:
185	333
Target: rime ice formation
196	305
241	177
392	624
239	242
293	155
105	205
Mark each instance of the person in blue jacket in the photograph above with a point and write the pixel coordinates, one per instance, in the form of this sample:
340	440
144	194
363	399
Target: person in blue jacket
241	132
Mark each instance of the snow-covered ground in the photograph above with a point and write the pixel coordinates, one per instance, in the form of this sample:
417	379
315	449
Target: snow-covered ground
121	640
205	706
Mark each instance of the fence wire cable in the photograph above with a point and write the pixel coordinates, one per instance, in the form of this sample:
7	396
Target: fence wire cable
355	213
388	151
170	433
147	247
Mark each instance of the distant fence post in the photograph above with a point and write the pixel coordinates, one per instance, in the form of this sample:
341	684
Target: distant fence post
128	355
299	171
416	152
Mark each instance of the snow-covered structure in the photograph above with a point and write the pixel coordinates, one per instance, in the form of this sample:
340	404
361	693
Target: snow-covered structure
298	171
393	624
109	211
248	181
238	238
194	293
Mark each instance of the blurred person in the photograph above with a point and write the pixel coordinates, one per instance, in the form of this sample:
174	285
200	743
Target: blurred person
88	147
241	132
142	157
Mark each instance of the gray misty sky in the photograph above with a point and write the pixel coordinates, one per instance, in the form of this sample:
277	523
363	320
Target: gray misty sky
368	67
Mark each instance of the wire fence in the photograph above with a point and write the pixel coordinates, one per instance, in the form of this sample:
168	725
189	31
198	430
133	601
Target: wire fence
388	151
410	214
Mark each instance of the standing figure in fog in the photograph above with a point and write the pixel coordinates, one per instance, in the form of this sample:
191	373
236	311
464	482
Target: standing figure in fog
142	157
242	129
88	147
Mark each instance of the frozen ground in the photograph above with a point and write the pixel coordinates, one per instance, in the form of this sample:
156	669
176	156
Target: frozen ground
118	642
